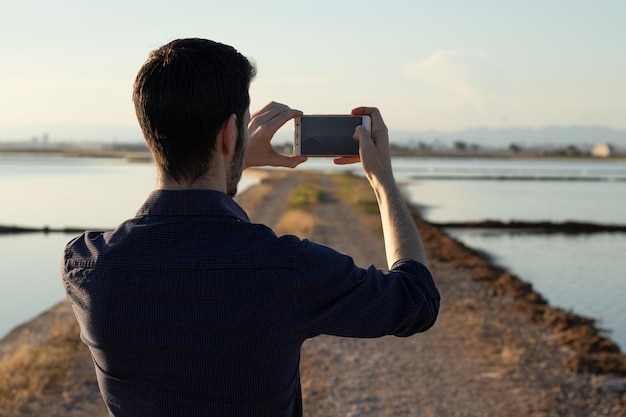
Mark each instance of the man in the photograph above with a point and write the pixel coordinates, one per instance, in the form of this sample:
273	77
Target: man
189	309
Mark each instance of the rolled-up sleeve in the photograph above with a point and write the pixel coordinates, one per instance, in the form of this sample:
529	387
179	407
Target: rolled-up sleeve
337	297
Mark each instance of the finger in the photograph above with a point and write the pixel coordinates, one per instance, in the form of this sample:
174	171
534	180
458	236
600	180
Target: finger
268	107
373	112
281	118
288	161
345	160
362	135
271	110
266	113
274	118
363	110
294	161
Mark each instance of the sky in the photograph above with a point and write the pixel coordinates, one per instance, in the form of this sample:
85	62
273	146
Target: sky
67	67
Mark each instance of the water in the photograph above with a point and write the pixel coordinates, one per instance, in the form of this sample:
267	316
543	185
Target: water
59	192
56	192
71	192
466	190
460	200
582	273
579	273
29	276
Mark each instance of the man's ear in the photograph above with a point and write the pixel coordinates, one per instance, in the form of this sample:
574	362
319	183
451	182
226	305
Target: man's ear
227	135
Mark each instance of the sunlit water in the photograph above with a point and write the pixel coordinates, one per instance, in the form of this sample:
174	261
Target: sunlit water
59	192
583	273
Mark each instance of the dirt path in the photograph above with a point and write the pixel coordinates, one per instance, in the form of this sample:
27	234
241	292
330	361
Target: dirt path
482	358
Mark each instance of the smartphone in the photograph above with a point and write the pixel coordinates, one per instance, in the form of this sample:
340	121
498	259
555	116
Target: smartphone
328	135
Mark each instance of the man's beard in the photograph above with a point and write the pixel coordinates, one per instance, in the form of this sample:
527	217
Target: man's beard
236	166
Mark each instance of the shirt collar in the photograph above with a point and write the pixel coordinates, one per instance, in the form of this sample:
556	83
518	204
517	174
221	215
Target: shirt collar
191	203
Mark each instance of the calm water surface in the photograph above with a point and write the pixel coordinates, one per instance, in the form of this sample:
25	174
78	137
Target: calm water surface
68	192
582	273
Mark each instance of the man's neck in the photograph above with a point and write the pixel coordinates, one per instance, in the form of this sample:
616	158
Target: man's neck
205	182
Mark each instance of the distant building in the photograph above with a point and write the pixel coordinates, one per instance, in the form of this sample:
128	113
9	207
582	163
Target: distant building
602	150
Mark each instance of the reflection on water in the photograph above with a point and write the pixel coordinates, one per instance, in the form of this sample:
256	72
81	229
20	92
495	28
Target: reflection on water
589	170
455	200
72	192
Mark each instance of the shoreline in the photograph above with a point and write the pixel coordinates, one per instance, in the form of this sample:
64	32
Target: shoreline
572	343
592	350
536	227
137	153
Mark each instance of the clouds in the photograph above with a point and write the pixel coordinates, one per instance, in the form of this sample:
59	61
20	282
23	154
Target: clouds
454	74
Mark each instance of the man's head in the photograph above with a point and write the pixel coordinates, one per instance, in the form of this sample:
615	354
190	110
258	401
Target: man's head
183	94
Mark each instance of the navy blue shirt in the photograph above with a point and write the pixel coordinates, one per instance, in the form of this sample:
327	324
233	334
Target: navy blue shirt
189	309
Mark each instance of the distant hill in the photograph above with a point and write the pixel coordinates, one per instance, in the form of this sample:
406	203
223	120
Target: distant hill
528	137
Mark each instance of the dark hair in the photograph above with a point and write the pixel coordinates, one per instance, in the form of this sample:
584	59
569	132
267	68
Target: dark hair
182	95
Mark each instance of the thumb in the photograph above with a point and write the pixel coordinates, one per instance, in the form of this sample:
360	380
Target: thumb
288	161
362	135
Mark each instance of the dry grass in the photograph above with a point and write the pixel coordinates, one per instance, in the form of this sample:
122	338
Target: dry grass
297	222
357	192
511	355
305	195
32	370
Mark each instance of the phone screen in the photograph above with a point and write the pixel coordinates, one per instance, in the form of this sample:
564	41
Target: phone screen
328	135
